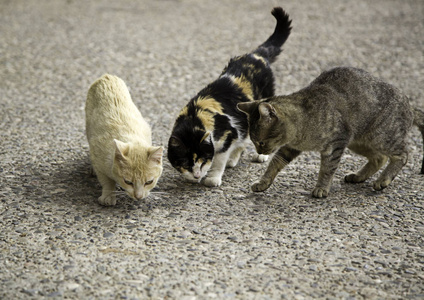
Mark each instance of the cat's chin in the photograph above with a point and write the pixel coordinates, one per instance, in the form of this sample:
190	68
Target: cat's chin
193	180
190	178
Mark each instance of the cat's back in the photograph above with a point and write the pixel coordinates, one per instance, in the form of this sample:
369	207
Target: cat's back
359	91
110	110
107	92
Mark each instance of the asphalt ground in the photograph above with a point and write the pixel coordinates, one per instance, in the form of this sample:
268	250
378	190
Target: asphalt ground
188	241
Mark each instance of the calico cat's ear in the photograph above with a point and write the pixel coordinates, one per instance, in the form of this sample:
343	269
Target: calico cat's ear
156	154
247	107
175	142
267	111
204	138
121	149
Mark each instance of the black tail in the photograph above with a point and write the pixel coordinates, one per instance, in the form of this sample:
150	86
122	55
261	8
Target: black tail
272	46
419	121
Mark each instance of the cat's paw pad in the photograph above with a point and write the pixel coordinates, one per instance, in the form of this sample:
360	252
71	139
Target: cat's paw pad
260	186
319	192
381	184
260	158
212	181
107	200
353	178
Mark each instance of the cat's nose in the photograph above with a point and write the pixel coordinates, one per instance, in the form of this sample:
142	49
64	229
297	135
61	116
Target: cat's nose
140	195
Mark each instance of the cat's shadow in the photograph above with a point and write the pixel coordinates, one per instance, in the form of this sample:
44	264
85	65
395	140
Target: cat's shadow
73	182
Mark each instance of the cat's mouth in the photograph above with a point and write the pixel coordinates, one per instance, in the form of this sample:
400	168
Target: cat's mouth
265	151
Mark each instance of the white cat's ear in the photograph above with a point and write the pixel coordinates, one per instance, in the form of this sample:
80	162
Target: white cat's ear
121	149
156	154
267	111
247	107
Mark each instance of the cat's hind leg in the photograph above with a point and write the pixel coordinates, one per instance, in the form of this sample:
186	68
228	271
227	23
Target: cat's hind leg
235	157
108	196
396	163
371	167
280	159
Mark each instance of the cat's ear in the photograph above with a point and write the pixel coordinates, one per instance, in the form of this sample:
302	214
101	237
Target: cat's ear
156	154
247	107
205	137
267	111
121	149
175	142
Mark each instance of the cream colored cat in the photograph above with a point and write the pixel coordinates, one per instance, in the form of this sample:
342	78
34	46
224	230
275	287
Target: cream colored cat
120	143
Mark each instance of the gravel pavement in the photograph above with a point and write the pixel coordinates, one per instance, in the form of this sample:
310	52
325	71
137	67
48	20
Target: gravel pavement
188	241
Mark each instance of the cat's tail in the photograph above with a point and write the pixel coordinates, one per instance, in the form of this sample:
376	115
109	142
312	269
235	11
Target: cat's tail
271	48
419	122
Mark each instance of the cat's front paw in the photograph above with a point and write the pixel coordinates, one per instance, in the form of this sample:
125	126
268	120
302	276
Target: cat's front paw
319	192
353	178
212	181
260	158
107	200
381	184
260	186
232	162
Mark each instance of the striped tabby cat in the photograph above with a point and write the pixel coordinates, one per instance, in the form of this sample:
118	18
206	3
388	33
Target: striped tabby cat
210	133
342	108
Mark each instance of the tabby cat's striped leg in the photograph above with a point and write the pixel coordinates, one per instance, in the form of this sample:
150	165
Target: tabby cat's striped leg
329	165
280	159
389	173
373	165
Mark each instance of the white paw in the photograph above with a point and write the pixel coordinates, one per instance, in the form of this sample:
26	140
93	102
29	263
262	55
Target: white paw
212	181
260	157
107	200
231	163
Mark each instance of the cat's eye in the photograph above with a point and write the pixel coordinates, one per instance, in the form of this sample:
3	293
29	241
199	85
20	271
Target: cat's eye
127	182
261	144
149	182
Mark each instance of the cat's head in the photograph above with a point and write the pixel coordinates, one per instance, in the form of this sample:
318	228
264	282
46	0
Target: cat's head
137	168
267	128
190	152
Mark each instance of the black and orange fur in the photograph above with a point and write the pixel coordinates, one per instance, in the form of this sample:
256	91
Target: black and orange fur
210	133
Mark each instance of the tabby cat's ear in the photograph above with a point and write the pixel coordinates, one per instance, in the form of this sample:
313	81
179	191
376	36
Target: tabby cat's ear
156	154
247	107
267	111
121	149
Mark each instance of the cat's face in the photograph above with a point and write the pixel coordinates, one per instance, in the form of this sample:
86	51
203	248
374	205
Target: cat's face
266	129
191	152
137	168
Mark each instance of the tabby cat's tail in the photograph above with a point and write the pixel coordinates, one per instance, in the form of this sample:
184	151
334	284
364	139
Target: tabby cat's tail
419	121
271	48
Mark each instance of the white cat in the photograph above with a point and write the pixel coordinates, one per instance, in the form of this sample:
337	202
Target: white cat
120	143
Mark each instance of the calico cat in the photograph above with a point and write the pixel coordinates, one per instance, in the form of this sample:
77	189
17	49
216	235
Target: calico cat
210	133
342	108
120	143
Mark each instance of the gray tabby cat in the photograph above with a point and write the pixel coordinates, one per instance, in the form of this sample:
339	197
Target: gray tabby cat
342	108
